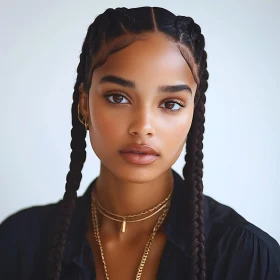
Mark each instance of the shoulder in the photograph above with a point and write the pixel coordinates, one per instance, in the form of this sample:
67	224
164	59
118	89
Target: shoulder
24	237
26	221
32	219
240	247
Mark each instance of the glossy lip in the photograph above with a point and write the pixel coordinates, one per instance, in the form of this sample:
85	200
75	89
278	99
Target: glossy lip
135	158
139	154
140	149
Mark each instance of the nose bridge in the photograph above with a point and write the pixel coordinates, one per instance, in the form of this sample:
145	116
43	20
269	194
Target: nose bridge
142	121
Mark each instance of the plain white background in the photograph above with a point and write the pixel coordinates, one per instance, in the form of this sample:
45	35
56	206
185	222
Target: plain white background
40	47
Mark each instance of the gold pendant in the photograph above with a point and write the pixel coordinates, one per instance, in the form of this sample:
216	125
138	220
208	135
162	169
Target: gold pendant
123	226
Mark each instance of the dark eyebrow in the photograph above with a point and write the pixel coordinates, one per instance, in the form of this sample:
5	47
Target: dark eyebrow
117	80
130	84
176	88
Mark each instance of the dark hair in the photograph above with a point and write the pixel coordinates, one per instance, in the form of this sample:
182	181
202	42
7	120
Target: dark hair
111	31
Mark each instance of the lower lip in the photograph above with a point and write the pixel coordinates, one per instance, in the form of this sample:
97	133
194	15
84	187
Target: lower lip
138	158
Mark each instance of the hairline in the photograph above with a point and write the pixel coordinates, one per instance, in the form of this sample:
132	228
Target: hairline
111	47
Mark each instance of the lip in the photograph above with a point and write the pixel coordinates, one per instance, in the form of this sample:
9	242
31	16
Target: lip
139	154
137	148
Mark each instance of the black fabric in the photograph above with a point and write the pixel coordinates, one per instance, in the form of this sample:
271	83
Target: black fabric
235	248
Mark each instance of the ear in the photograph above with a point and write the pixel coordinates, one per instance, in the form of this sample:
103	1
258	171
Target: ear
83	102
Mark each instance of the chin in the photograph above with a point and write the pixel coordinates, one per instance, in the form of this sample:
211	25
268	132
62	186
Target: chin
138	174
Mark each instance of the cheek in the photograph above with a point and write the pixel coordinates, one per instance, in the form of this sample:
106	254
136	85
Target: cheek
178	133
176	138
179	126
105	127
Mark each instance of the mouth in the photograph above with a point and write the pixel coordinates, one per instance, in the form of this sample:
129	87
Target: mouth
138	158
142	149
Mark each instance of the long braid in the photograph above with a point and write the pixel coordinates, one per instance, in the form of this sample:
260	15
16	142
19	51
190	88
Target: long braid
193	171
196	204
73	178
189	33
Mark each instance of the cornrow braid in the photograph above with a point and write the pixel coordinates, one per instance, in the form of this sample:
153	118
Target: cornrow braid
110	32
189	33
193	171
73	178
194	158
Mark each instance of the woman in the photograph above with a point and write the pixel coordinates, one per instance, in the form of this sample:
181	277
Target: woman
140	92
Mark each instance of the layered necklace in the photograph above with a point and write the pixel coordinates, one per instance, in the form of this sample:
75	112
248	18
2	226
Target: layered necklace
96	206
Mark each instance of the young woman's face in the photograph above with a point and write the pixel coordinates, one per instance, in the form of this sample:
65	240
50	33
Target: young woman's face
120	115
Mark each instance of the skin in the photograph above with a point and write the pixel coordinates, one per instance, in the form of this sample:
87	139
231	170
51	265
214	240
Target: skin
142	117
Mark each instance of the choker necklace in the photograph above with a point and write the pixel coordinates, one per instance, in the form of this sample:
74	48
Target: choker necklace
160	220
127	218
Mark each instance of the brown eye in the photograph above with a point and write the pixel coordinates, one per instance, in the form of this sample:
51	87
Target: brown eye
115	98
170	105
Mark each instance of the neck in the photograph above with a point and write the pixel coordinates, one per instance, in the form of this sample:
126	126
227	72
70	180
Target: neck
127	196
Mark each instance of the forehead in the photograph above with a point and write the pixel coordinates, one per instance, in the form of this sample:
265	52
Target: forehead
153	55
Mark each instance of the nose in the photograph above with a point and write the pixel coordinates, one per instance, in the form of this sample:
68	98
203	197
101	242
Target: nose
142	123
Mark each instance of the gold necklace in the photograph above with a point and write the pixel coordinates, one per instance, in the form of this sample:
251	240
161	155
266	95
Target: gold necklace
148	244
124	218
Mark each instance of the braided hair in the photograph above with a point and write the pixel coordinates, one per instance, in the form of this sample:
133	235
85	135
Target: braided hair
111	31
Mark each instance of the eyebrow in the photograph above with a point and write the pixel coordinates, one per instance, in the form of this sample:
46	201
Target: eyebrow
130	84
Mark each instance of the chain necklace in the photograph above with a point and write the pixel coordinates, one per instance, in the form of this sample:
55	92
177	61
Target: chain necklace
125	219
135	215
148	244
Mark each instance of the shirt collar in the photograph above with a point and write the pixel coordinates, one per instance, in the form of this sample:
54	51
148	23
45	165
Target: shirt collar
176	229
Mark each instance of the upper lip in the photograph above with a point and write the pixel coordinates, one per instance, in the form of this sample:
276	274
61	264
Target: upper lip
143	148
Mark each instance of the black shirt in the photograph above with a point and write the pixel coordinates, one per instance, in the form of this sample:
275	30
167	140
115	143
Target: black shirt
235	248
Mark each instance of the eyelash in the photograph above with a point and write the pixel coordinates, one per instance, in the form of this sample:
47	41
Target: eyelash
180	103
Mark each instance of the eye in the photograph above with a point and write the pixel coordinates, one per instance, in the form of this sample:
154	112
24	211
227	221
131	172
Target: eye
115	98
171	104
